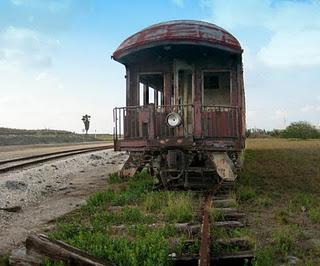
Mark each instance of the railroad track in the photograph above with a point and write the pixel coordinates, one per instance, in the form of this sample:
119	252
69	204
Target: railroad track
18	163
220	214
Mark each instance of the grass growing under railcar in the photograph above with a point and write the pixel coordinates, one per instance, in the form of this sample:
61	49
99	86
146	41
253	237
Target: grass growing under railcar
130	224
279	189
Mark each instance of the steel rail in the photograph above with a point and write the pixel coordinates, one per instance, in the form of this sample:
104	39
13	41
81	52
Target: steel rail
46	154
204	253
41	158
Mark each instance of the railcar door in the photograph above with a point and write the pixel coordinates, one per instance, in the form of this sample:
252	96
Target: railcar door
183	95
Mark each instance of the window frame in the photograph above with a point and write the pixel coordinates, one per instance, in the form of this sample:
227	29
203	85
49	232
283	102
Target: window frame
216	71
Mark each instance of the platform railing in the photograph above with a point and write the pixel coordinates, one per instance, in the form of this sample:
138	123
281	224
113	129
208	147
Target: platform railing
149	122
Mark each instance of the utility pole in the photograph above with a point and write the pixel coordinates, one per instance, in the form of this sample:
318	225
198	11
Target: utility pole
86	121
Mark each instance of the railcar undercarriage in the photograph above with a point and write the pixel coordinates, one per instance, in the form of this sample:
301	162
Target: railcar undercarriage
178	168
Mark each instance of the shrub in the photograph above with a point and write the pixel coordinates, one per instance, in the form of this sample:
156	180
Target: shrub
301	130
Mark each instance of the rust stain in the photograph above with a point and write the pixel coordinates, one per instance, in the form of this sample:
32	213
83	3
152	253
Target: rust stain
193	32
204	254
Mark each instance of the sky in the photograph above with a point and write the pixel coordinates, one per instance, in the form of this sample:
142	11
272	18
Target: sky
55	57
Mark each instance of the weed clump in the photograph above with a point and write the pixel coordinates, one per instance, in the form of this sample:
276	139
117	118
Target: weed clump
179	207
114	179
48	262
314	215
155	201
101	198
283	239
246	193
264	257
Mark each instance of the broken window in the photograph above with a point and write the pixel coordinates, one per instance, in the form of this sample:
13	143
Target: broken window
216	88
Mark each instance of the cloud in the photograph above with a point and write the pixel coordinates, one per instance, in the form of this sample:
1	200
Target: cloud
289	49
280	114
234	14
296	35
310	108
5	100
293	28
179	3
23	47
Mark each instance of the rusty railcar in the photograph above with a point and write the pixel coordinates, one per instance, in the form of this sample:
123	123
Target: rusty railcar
185	103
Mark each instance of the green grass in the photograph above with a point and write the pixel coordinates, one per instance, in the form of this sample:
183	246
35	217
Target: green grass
225	233
278	188
246	193
314	215
128	234
114	179
4	260
283	239
152	249
179	207
155	201
216	215
49	262
265	256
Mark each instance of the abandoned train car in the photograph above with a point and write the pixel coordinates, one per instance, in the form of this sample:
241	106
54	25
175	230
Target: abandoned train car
185	103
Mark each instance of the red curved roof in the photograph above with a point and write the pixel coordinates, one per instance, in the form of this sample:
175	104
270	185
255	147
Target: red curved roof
179	31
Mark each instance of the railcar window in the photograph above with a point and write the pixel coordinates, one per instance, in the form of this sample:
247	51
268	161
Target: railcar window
216	88
151	89
151	95
211	82
141	92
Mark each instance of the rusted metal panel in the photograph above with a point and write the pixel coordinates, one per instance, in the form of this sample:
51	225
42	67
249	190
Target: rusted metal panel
220	122
179	31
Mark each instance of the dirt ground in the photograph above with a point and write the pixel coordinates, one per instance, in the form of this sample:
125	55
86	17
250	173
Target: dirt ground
48	191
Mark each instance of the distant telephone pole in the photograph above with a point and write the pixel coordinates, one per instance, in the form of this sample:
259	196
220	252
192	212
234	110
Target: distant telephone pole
86	121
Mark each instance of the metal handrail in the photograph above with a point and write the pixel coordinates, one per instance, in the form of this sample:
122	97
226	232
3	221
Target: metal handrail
131	123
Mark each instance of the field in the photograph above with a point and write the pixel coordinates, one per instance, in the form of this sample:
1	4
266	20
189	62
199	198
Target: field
279	189
10	136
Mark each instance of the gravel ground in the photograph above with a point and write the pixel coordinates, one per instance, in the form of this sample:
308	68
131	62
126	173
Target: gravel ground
34	196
